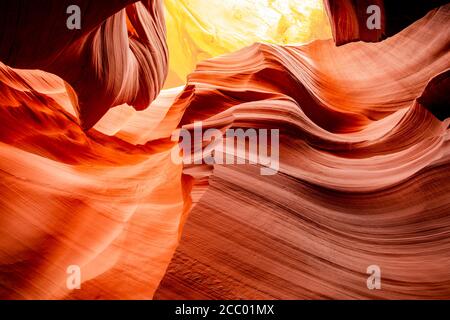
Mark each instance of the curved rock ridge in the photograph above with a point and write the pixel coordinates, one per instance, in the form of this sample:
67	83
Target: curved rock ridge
340	89
72	197
363	176
118	56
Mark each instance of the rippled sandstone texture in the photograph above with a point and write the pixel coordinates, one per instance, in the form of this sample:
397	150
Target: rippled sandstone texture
71	196
364	172
118	56
363	176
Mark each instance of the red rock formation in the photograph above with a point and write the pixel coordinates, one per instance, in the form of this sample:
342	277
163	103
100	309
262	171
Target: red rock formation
363	176
70	197
75	197
118	56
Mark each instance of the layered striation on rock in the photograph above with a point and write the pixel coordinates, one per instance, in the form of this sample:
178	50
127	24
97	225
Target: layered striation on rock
118	56
110	203
363	172
363	177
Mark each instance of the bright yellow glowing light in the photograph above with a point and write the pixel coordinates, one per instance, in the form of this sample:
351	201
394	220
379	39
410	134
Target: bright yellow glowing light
201	29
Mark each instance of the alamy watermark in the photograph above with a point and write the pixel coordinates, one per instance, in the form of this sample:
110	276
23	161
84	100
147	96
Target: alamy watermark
73	22
374	280
374	20
234	146
73	280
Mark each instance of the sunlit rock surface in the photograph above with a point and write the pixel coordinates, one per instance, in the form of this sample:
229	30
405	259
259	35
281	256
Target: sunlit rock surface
198	29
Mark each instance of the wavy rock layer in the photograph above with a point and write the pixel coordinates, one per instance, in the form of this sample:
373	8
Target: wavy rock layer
118	56
70	197
363	175
77	197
